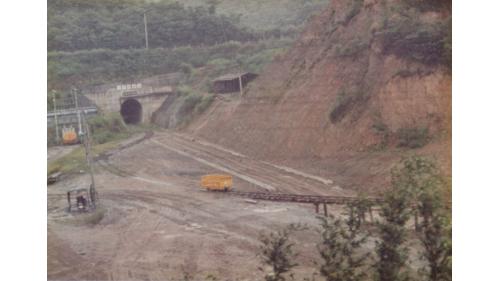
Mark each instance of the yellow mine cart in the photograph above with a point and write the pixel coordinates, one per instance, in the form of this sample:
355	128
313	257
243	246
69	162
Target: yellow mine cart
217	182
69	136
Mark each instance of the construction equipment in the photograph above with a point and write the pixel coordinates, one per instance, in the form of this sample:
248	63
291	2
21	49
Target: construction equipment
69	135
79	200
217	182
84	199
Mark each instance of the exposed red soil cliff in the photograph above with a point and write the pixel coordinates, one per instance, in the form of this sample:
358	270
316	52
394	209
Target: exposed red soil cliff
338	102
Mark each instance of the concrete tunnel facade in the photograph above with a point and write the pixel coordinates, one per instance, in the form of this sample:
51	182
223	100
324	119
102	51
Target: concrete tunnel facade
136	106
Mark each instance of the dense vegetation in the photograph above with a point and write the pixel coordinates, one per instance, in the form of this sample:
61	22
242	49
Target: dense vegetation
83	25
416	191
113	24
406	35
265	15
95	42
83	68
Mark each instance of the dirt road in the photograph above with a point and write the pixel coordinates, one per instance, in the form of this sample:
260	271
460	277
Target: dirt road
159	225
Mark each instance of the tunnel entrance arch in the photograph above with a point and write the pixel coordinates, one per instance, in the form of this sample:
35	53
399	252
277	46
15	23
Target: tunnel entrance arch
131	111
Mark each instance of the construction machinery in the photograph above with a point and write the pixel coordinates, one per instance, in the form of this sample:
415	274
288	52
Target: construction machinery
81	200
217	182
69	136
86	199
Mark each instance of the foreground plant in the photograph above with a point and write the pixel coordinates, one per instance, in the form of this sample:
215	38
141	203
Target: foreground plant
391	249
277	252
340	246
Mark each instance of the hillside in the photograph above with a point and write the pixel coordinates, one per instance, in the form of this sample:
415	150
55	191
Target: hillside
75	25
265	14
366	83
102	41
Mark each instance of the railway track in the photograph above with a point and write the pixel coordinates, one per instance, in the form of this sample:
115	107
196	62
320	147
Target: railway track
316	200
296	198
267	176
105	156
313	199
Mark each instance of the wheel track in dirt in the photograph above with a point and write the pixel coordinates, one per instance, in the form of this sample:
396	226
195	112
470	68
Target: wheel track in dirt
228	163
126	247
269	174
103	159
263	172
157	201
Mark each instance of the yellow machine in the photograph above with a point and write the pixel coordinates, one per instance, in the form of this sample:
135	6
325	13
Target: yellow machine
69	136
217	182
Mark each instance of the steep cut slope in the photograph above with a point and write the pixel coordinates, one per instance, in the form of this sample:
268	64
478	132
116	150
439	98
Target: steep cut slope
367	82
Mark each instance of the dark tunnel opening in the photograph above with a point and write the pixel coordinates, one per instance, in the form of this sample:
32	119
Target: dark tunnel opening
131	111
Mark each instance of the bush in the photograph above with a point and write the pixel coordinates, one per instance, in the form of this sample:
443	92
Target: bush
421	180
186	68
184	90
276	252
189	104
341	241
427	43
345	101
193	104
381	130
413	137
206	101
106	128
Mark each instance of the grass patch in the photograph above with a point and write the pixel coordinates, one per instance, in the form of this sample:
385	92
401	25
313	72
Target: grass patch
193	104
106	128
189	104
108	131
75	161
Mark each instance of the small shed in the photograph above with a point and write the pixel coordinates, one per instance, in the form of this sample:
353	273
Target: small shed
230	83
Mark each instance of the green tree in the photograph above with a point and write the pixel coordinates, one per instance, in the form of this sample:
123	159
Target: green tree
435	237
391	250
435	233
82	24
339	248
277	252
415	176
360	207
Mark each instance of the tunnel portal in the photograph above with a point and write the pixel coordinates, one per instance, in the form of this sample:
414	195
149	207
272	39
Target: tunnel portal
131	111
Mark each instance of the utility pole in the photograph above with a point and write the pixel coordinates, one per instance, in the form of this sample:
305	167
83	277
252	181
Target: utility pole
90	160
241	85
55	116
77	112
146	30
